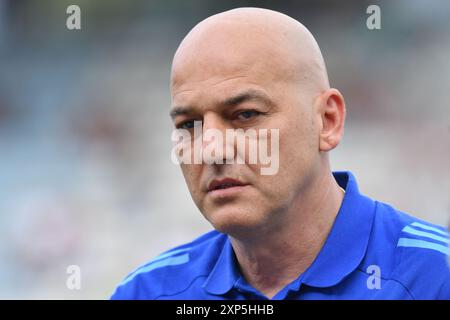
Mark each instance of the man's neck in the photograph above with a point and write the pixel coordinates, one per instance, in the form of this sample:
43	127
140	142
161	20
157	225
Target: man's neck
279	257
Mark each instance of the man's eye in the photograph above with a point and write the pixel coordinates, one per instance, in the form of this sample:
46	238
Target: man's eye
186	125
245	115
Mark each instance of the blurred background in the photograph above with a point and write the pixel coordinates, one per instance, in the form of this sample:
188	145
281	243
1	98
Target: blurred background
85	172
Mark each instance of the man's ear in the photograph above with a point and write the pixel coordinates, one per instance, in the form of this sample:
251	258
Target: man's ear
331	108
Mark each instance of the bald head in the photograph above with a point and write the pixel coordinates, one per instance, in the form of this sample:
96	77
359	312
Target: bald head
254	39
255	70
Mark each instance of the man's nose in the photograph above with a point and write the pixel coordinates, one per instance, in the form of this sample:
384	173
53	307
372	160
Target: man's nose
214	138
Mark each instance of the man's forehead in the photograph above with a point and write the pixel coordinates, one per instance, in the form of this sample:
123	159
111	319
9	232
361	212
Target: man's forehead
189	100
211	72
221	63
220	76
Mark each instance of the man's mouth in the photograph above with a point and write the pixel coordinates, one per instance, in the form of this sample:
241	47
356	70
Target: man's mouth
226	183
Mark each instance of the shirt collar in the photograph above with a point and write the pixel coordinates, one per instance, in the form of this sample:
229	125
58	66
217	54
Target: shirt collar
225	273
341	253
347	242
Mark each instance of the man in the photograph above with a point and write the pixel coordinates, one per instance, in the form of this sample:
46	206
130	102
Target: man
304	232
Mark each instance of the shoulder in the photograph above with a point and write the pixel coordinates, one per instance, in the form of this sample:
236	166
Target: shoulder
411	252
172	271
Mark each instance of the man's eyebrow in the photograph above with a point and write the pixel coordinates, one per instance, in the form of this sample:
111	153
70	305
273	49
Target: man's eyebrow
179	111
247	95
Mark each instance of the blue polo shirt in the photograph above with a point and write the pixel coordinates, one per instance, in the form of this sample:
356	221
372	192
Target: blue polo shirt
373	251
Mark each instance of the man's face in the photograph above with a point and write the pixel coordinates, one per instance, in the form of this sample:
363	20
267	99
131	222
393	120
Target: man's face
244	88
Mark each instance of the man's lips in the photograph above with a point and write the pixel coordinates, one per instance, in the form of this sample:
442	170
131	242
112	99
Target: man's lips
223	184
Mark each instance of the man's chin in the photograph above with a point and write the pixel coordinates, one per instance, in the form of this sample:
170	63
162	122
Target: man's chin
235	222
